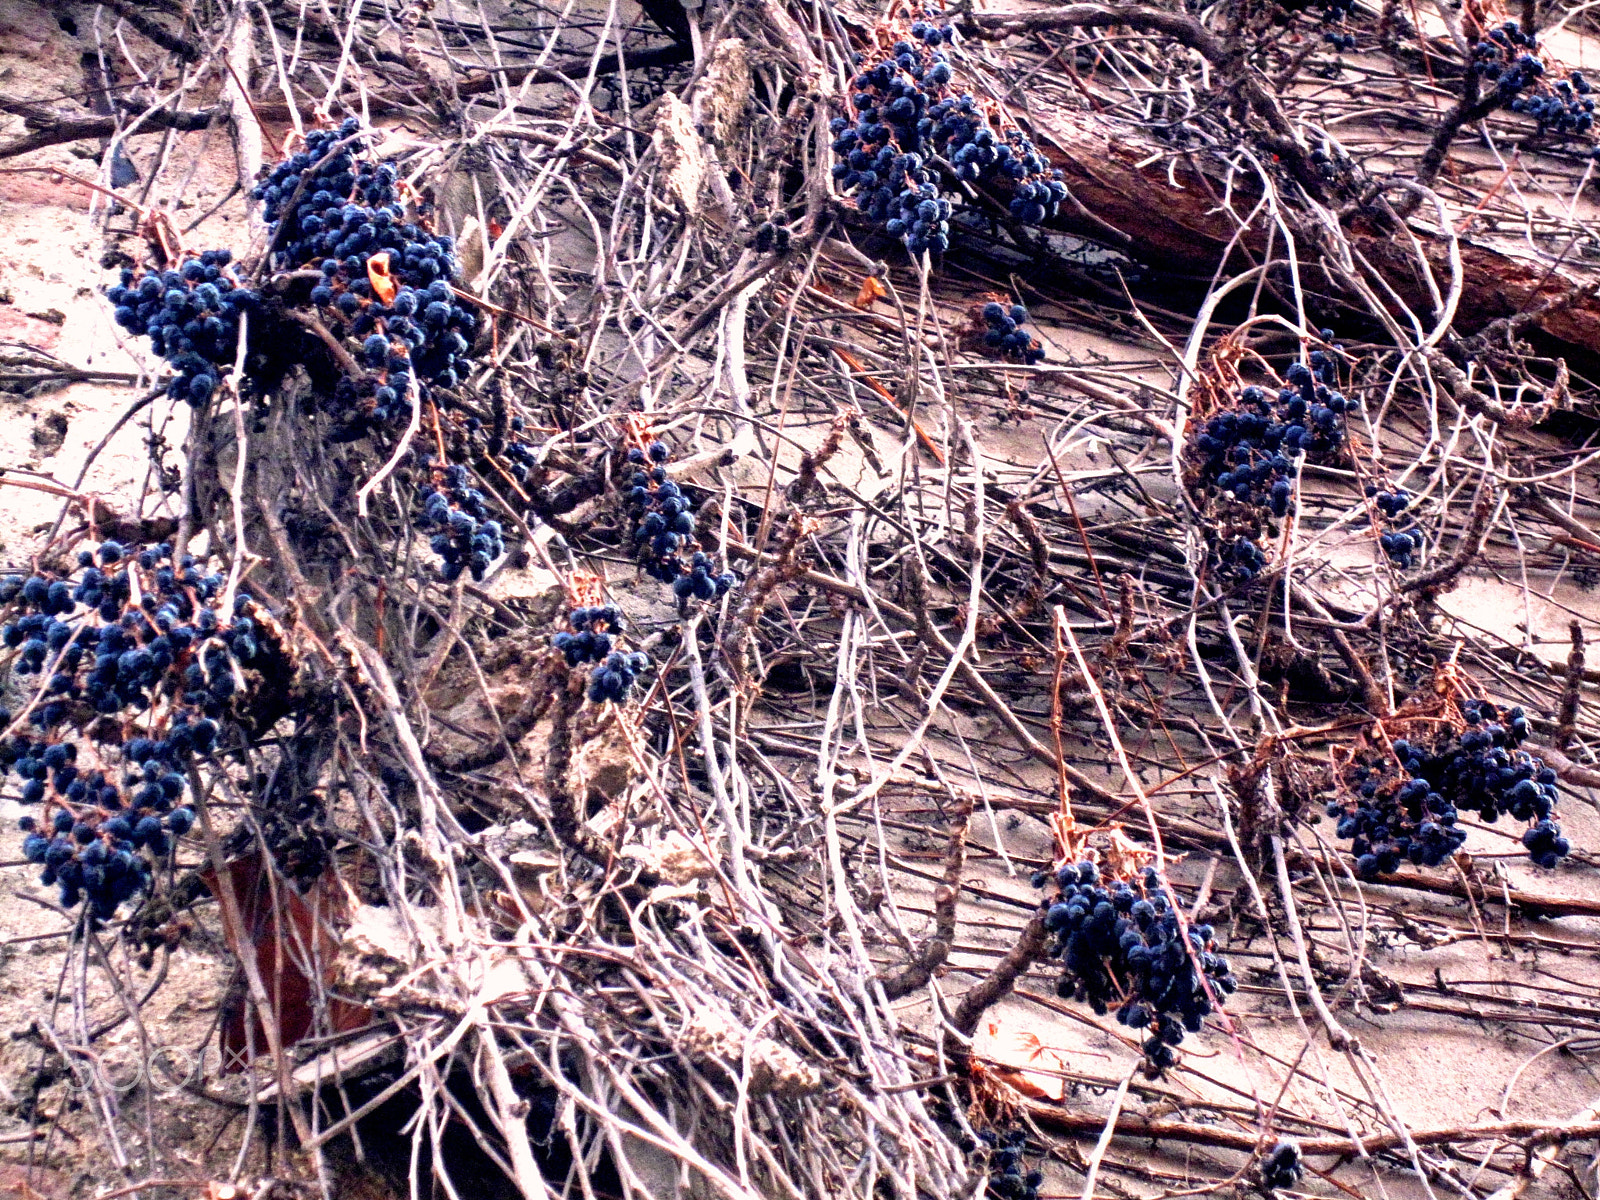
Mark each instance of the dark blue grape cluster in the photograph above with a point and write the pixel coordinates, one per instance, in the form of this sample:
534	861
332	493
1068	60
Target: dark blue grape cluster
700	583
94	824
464	536
1405	807
520	454
191	315
1005	336
906	112
1283	1167
665	527
1566	112
1395	818
1508	58
1240	557
965	137
332	208
1252	453
614	679
889	179
142	618
664	515
300	194
134	641
1544	843
1004	1166
1126	949
1328	166
1401	540
594	627
1335	12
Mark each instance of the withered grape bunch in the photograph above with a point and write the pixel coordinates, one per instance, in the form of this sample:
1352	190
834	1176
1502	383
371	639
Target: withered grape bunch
1405	807
1124	946
907	112
385	277
191	315
138	665
665	528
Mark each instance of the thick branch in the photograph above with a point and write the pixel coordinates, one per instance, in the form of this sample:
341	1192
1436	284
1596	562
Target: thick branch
138	16
1567	720
998	983
1531	1133
1469	109
53	129
936	949
1186	31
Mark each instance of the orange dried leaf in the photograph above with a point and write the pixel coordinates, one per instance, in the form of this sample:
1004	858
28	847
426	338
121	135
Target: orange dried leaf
1012	1051
871	289
383	284
1020	1082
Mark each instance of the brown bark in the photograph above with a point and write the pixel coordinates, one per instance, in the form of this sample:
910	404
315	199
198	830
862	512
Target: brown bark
1177	221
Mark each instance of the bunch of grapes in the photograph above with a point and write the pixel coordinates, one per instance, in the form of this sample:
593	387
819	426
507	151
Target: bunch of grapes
1003	1165
521	453
1404	807
614	679
1567	112
595	628
385	281
665	527
1282	1168
905	112
1402	541
93	824
700	584
965	137
1335	12
133	642
191	315
464	536
1508	58
1544	843
1121	948
1005	336
1239	557
1395	818
1251	454
132	626
664	515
